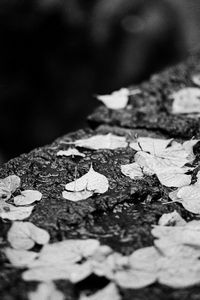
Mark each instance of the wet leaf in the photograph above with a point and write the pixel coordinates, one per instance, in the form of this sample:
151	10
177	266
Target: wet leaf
186	100
24	235
70	152
108	141
27	197
116	100
107	293
46	291
85	186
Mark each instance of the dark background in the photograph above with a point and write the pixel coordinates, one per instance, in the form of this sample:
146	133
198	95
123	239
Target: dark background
55	55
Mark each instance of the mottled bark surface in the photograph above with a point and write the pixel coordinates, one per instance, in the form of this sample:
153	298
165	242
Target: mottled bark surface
122	217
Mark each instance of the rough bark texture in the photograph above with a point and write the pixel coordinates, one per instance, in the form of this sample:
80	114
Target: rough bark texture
122	217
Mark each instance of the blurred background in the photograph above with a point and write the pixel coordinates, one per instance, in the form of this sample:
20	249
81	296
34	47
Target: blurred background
56	54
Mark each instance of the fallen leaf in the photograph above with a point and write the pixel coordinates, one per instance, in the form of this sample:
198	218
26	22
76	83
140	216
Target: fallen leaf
24	235
186	100
132	170
171	219
107	293
108	141
46	291
8	186
90	182
27	197
70	152
174	177
11	212
152	145
116	100
188	196
20	258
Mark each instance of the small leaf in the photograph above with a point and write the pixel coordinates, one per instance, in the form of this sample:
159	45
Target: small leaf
133	171
24	235
107	293
186	100
174	177
46	291
27	197
171	219
20	258
11	212
116	100
108	141
91	181
70	152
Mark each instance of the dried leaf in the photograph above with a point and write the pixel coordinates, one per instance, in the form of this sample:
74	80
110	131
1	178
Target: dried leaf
186	100
11	212
46	291
107	293
133	170
24	235
27	197
108	141
91	181
171	219
70	152
8	186
20	258
116	100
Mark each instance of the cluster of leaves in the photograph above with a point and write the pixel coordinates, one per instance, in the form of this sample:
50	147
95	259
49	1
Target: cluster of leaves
21	208
165	158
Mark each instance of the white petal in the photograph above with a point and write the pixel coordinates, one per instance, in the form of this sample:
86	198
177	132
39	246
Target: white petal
107	293
91	181
13	213
171	219
23	235
20	258
77	196
186	100
108	141
133	170
70	152
27	197
46	291
116	100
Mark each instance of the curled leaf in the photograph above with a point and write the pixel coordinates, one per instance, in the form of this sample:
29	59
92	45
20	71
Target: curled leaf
91	182
108	141
27	197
